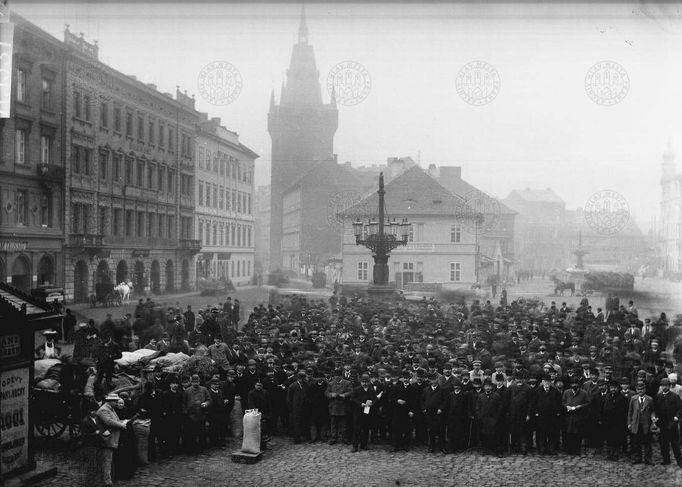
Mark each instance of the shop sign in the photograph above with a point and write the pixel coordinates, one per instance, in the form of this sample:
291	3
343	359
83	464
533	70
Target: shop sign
12	246
14	432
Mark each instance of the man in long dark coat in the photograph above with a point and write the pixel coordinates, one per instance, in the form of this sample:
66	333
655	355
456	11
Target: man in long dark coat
401	404
547	412
488	413
363	398
575	402
615	420
433	402
458	413
297	403
519	404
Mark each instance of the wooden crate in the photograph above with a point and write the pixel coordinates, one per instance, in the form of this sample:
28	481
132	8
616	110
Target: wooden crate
241	457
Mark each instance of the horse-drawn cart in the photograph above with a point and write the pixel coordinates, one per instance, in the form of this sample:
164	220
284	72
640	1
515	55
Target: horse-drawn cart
55	411
106	295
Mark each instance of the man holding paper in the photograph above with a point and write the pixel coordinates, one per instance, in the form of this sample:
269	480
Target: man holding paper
363	399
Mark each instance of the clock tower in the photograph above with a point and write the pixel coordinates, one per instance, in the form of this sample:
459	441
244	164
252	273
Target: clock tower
302	130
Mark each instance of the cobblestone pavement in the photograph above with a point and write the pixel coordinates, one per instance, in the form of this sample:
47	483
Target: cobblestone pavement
321	465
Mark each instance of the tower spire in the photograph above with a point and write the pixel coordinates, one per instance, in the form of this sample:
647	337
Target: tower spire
303	27
272	98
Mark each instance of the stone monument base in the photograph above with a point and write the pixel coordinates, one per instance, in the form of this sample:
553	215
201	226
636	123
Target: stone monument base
382	293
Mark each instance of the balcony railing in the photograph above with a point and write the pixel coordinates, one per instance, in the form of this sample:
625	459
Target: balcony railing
190	244
85	241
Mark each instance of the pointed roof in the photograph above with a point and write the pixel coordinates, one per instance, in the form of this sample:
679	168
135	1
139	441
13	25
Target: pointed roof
303	78
302	27
413	192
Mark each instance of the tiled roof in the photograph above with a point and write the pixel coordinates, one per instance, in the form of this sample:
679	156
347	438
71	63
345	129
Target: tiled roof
413	192
460	187
536	195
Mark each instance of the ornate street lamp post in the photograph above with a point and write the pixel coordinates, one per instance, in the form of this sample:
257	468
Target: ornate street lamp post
380	241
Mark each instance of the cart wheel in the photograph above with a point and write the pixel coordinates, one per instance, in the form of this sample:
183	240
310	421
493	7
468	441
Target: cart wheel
52	430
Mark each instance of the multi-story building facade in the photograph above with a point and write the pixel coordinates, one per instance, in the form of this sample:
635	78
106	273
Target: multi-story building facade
32	156
262	228
224	217
129	153
440	251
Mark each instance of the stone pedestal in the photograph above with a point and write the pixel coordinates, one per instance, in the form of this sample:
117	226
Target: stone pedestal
382	293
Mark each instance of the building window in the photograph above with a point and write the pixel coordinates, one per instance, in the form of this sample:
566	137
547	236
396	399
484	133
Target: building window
116	224
215	234
86	107
140	224
248	234
455	233
150	176
129	223
222	198
171	181
47	95
117	168
21	137
160	177
151	224
171	226
248	200
77	105
208	234
140	174
129	171
45	211
455	271
200	157
160	222
201	194
117	119
171	140
162	131
75	159
87	160
363	271
102	220
150	132
46	149
103	166
104	114
129	124
22	85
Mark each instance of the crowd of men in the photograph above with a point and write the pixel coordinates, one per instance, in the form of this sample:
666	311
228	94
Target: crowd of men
518	378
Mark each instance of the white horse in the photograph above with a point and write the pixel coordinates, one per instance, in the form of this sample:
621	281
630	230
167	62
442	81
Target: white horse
124	289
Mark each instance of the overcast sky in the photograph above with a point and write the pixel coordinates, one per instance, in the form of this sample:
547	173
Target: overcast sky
542	130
